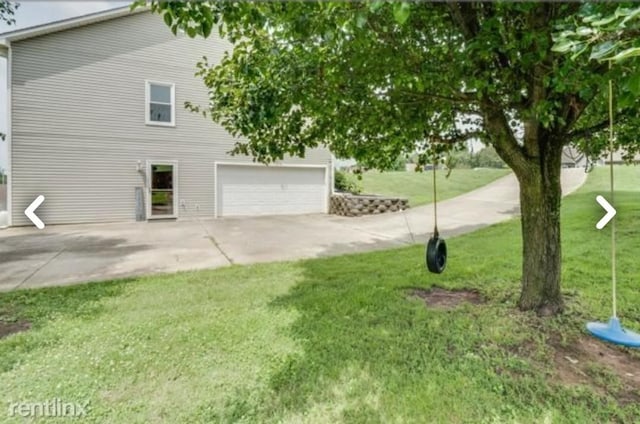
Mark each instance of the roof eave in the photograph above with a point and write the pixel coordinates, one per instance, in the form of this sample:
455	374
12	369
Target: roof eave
23	34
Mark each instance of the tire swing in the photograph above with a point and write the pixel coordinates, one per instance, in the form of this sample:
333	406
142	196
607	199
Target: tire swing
612	331
436	252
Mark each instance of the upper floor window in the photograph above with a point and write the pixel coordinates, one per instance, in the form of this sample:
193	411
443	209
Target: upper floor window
161	103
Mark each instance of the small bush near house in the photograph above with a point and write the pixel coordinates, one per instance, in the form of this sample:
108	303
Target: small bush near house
485	158
342	182
488	158
400	164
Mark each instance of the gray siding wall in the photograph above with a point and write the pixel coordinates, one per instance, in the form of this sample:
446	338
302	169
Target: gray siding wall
78	121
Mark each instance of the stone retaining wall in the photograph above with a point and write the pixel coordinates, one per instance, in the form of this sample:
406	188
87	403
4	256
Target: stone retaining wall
357	205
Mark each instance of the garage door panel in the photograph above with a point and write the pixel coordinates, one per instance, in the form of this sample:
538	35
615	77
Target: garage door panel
256	190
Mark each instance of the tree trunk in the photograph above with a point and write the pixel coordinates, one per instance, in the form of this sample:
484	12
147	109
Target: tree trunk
540	199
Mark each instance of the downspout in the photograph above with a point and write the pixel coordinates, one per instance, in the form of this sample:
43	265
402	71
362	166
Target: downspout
5	51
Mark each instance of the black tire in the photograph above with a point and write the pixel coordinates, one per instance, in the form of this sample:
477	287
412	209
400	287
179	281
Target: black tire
436	255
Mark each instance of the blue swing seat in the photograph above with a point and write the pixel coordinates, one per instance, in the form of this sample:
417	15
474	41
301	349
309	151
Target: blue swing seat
613	332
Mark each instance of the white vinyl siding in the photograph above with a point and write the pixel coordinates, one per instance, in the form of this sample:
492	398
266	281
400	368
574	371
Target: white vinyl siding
79	143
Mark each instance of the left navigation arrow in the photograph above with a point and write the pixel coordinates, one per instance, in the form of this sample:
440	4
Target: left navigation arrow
30	212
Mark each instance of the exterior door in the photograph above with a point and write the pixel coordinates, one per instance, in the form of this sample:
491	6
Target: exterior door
162	196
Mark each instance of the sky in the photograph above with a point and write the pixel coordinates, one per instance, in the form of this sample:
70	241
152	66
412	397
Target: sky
32	13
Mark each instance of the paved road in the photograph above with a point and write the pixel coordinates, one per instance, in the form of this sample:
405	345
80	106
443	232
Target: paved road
67	254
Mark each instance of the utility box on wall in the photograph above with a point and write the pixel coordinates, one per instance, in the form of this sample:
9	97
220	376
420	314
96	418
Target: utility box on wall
140	211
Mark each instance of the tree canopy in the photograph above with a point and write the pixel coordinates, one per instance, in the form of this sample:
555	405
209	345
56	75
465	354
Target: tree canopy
376	80
7	11
613	36
609	36
379	79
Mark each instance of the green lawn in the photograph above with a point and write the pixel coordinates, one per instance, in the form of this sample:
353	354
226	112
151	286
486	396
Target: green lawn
339	339
418	186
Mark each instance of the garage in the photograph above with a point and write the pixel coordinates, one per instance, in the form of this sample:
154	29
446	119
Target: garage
251	189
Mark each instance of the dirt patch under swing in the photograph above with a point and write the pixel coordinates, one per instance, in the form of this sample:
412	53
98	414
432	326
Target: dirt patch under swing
440	298
10	327
588	361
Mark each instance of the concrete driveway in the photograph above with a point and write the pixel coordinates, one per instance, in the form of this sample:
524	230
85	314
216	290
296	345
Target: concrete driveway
67	254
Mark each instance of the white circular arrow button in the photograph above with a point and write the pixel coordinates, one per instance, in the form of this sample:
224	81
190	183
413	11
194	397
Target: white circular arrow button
30	212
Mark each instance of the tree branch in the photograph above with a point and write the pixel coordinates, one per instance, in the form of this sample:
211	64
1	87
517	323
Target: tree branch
453	98
458	138
537	92
502	137
465	18
584	132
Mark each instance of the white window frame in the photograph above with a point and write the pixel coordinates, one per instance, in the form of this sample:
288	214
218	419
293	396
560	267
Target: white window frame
147	104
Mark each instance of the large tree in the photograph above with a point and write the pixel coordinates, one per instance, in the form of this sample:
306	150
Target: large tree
374	80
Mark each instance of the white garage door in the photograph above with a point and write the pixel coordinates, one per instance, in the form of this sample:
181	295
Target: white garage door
248	190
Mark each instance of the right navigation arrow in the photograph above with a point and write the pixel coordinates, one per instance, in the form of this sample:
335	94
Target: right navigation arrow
611	212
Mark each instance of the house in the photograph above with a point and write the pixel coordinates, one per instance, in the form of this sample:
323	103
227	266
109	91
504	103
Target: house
619	158
97	126
572	157
346	165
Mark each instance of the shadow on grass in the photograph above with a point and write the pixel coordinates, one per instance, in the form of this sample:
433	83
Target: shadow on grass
466	364
356	314
39	307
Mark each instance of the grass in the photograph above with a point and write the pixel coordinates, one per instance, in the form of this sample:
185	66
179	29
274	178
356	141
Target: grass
337	339
418	186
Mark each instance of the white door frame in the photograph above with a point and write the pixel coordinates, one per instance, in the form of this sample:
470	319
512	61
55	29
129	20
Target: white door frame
148	188
326	168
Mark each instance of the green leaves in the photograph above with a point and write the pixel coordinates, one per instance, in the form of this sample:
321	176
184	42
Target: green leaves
609	36
602	50
376	80
376	5
361	20
206	27
600	22
633	84
168	19
401	12
564	46
626	54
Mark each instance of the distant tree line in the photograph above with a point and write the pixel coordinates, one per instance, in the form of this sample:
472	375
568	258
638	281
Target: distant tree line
465	159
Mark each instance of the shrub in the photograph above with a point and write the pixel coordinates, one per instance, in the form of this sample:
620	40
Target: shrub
400	164
488	158
342	182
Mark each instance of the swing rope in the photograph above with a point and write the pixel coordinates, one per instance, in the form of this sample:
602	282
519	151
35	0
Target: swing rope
612	331
435	206
613	222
